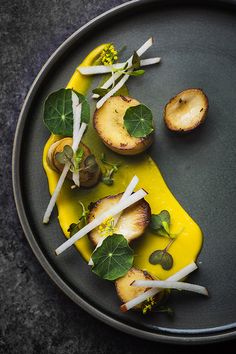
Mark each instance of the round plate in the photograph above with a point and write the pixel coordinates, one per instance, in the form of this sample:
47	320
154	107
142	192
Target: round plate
198	49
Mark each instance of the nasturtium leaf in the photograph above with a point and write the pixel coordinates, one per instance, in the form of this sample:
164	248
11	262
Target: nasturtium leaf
113	258
138	121
163	258
160	223
58	112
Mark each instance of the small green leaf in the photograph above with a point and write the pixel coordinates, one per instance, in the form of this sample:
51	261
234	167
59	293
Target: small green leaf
73	228
58	112
138	121
107	177
101	91
90	164
160	223
113	258
135	61
135	72
107	180
163	258
65	156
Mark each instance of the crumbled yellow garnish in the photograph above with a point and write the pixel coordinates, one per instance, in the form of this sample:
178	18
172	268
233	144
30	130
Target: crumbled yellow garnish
148	305
107	227
109	55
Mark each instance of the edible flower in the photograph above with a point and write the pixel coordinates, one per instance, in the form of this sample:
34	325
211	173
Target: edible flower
106	228
109	55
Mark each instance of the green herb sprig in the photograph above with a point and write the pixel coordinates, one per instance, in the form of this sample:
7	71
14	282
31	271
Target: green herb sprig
160	224
83	220
107	176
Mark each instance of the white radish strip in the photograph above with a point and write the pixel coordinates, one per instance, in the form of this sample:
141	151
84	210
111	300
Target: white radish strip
106	69
62	178
116	76
129	190
171	285
76	124
116	209
112	91
55	194
149	293
75	145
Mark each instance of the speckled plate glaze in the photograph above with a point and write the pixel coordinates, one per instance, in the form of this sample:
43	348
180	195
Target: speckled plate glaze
197	44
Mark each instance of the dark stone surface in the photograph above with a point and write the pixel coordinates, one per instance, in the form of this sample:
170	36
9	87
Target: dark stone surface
35	317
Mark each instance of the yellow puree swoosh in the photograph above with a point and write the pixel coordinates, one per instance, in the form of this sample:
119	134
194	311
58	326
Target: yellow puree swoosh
188	244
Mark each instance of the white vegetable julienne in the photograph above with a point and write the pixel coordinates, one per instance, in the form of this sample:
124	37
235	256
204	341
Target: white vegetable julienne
129	190
167	284
112	91
149	293
116	209
106	69
62	178
116	76
76	124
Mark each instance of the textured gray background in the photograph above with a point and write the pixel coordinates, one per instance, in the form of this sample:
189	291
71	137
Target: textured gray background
35	317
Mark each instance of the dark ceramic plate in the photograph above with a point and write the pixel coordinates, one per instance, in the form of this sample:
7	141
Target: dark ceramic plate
198	49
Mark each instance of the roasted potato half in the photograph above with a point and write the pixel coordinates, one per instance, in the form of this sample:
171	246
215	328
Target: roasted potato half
87	179
132	222
186	111
125	291
109	124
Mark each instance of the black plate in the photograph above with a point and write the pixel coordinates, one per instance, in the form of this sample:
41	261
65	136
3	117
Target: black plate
198	49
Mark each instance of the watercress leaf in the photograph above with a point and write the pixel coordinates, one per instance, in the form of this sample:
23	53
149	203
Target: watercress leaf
138	121
101	91
64	156
135	61
73	228
160	223
107	180
90	164
58	112
136	72
113	258
163	258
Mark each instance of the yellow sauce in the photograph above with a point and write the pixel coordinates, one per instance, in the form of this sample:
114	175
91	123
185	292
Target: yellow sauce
188	244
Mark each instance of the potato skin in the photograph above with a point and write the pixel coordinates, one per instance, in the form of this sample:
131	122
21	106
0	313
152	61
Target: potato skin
141	209
173	126
86	179
108	122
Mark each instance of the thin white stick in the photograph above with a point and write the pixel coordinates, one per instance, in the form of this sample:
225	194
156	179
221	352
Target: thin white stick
129	190
106	69
116	76
112	91
61	180
149	293
167	284
76	124
116	209
55	194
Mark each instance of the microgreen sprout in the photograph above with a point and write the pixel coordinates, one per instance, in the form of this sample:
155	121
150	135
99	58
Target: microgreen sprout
107	177
83	220
160	224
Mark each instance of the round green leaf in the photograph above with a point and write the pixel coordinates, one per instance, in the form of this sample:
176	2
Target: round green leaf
58	112
113	258
138	121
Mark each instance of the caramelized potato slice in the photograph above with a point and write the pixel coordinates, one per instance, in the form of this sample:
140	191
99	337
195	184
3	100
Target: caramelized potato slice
109	124
87	179
186	111
132	222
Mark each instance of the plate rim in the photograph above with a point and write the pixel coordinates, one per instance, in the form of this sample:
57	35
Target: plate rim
190	336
